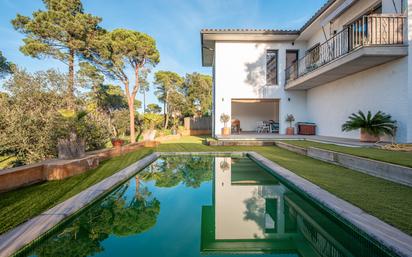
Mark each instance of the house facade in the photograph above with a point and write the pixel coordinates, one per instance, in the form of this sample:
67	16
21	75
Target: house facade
351	55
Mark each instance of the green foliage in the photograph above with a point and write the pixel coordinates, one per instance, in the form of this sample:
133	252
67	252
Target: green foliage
198	92
33	117
167	82
378	124
120	122
169	91
28	114
62	31
6	67
170	173
53	32
122	48
89	76
107	98
91	127
153	108
144	85
152	120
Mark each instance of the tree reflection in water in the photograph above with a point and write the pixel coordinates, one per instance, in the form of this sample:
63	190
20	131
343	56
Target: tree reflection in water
122	215
114	215
175	170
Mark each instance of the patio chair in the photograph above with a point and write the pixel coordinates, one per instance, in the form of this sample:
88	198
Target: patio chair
274	127
262	126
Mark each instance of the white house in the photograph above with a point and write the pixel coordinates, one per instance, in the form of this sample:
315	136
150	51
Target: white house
351	55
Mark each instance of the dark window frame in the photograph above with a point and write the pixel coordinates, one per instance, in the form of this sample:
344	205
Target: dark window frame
272	80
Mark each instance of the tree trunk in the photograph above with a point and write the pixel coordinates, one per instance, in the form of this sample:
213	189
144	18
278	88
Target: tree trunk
132	98
144	101
167	119
70	86
131	117
165	110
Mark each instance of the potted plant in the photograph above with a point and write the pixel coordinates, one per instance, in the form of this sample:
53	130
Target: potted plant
290	119
117	142
371	126
225	119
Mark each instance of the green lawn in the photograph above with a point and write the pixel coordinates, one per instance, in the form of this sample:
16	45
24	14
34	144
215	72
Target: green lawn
401	158
386	200
19	205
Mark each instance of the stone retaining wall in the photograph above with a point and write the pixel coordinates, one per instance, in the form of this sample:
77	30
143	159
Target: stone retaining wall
292	148
56	169
392	172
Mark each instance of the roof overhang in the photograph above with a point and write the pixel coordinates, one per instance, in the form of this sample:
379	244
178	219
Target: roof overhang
208	38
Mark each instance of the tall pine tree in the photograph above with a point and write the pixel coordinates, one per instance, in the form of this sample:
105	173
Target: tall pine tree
62	31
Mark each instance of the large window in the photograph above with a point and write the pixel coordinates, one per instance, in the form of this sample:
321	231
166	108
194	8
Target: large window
271	67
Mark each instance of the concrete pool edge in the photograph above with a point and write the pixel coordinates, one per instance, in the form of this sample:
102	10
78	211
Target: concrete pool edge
387	235
23	235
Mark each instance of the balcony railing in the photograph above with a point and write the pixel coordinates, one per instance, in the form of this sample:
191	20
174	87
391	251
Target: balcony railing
371	30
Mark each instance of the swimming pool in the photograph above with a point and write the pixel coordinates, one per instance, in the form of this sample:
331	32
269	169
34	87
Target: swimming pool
198	205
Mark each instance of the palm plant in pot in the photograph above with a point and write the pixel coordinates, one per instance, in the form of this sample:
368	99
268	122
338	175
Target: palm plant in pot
225	119
371	126
290	119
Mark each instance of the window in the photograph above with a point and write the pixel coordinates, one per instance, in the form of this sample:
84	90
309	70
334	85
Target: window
271	67
404	6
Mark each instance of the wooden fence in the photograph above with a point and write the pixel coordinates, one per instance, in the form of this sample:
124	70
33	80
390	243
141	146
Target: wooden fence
200	123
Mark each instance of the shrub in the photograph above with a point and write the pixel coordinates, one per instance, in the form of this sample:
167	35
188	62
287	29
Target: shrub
376	125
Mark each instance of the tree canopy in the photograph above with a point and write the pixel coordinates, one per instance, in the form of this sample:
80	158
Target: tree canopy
122	48
61	31
33	101
153	108
169	91
5	66
198	91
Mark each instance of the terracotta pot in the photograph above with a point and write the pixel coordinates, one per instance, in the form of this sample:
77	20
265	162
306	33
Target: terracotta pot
117	142
290	131
225	131
366	137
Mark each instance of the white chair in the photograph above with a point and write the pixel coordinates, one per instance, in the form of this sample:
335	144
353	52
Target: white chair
262	126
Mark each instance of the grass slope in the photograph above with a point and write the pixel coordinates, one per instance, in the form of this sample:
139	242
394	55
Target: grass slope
20	205
400	158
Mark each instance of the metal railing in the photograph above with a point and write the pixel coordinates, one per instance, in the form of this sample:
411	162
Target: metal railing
370	30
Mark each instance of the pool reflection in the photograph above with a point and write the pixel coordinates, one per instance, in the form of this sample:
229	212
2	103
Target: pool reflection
226	205
253	212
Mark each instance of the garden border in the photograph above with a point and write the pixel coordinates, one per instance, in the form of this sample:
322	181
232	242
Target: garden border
388	171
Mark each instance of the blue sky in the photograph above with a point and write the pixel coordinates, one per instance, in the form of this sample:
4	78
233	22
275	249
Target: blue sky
175	24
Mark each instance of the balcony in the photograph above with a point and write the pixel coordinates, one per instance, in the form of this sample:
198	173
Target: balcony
368	42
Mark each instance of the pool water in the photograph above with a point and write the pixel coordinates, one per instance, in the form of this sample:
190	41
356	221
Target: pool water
201	205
